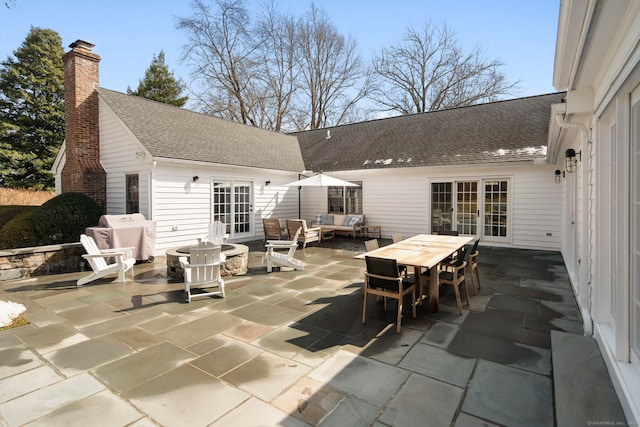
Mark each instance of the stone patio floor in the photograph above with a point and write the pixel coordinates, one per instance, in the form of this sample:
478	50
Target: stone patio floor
289	348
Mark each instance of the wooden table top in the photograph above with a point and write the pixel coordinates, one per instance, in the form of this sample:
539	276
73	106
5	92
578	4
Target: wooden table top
422	250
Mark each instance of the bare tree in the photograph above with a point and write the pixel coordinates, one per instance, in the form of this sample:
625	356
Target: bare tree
333	77
276	35
221	50
430	72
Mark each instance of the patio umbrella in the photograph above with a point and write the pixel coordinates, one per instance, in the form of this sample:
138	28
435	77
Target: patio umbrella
319	180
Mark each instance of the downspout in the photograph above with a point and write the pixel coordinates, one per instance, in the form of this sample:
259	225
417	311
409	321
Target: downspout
585	311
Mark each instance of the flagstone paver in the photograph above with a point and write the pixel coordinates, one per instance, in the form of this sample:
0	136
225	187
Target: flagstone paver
287	348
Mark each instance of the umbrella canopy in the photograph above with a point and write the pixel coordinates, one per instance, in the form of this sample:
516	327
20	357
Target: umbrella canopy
321	180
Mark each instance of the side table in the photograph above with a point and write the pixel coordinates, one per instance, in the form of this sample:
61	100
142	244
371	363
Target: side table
371	231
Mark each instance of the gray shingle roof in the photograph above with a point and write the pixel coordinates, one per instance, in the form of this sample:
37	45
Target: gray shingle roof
171	132
503	131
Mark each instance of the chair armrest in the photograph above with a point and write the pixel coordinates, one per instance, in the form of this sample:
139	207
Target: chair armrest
128	251
114	254
287	245
279	242
318	229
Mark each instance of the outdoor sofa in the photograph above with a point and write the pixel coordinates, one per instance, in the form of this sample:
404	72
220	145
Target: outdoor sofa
339	223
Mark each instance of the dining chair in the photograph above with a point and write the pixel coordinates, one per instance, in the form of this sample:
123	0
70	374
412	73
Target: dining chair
382	278
395	238
371	244
454	276
472	266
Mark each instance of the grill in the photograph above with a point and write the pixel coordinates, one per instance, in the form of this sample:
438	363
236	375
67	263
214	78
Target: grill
122	231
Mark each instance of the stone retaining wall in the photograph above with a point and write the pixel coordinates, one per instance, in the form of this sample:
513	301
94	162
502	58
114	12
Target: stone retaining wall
40	260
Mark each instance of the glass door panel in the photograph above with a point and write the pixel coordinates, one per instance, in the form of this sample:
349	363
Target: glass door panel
441	207
242	209
467	208
232	204
496	208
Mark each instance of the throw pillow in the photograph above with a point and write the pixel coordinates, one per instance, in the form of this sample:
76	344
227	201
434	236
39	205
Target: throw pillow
355	220
326	220
351	220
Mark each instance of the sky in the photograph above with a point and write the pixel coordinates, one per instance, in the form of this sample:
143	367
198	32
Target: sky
127	34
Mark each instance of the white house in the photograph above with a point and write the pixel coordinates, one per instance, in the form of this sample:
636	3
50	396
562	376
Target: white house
481	169
597	62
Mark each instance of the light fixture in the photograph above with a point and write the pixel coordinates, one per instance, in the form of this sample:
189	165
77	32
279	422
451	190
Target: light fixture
267	183
558	173
572	162
196	178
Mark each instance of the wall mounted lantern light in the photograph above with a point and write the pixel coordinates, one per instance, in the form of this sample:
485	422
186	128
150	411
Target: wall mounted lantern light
572	162
267	183
195	178
558	173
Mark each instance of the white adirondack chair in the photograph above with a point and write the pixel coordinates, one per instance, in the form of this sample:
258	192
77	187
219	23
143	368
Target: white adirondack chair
203	270
280	258
98	260
217	233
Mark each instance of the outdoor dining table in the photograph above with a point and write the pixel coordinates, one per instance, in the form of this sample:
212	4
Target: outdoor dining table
422	251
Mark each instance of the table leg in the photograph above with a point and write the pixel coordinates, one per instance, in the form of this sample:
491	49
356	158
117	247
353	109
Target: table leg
420	279
434	290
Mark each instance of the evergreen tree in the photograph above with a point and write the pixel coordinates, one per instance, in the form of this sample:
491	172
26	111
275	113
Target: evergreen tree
31	111
159	84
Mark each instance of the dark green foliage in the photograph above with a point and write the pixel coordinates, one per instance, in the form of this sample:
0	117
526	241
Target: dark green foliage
7	213
159	84
19	232
31	111
63	218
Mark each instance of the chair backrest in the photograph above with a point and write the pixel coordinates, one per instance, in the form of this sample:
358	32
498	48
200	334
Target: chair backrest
98	263
382	267
206	257
294	224
371	244
448	233
395	238
461	256
292	249
217	232
271	228
474	248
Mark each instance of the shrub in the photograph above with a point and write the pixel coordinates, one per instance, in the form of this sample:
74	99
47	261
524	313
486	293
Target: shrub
7	213
19	232
63	218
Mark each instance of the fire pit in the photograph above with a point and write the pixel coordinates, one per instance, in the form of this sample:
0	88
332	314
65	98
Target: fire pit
236	264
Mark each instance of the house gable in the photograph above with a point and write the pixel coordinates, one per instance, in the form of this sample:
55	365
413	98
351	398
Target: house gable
174	133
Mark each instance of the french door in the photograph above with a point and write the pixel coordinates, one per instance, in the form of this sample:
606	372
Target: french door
477	208
233	205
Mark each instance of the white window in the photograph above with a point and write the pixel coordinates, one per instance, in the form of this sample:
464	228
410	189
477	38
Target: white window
347	200
132	198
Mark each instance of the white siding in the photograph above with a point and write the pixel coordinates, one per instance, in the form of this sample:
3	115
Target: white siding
399	200
537	216
118	148
183	209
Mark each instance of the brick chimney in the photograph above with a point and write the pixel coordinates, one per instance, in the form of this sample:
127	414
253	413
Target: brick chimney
82	171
